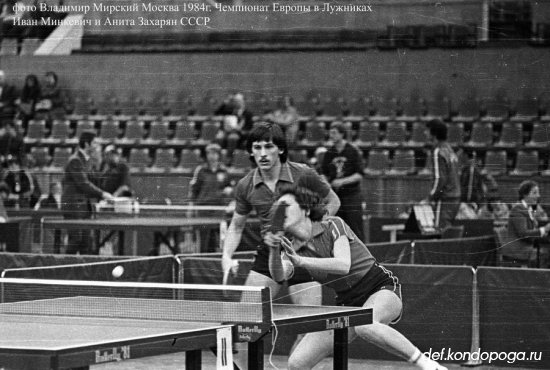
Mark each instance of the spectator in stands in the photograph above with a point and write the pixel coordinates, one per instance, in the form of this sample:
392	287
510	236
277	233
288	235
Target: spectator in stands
257	192
333	255
237	123
12	145
210	187
10	12
30	95
115	173
286	116
445	192
20	183
8	96
79	191
524	230
494	208
51	103
52	200
343	167
4	192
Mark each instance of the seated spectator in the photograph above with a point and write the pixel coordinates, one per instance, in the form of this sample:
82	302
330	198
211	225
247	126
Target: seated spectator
286	116
30	95
20	184
12	145
237	123
51	103
7	100
52	200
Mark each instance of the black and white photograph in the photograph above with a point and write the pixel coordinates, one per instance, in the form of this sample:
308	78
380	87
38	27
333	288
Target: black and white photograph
274	184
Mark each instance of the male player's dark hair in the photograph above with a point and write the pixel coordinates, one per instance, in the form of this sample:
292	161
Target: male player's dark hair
525	188
306	199
86	137
438	129
268	132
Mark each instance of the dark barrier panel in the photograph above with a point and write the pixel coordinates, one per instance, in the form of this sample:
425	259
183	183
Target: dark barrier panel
515	314
473	228
437	310
480	251
151	269
398	252
208	270
20	260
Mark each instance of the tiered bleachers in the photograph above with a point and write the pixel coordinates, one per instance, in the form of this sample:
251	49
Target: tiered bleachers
508	137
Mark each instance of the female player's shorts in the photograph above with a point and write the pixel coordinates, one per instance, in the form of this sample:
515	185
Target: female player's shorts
377	278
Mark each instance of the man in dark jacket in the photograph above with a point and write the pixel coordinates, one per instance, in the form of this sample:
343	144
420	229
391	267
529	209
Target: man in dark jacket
78	192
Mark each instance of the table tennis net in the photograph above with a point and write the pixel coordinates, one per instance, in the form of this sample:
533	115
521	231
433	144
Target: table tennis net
144	301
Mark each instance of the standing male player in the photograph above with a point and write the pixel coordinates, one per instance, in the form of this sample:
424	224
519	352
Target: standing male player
258	191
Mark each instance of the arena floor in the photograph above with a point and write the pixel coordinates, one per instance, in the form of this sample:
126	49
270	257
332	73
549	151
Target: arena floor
177	361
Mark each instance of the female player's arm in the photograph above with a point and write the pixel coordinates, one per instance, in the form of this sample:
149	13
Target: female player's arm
280	268
340	264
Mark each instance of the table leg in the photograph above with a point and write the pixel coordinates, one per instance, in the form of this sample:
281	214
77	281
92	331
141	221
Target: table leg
121	242
193	359
256	355
341	349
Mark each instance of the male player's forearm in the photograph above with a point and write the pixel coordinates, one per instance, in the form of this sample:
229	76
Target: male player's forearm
232	241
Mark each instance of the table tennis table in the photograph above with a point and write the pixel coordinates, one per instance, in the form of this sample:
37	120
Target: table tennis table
78	331
166	229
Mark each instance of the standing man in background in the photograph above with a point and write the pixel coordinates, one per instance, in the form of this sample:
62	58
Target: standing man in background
343	167
115	174
445	191
78	192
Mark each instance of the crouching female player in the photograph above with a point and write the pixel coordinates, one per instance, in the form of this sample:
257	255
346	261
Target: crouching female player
334	256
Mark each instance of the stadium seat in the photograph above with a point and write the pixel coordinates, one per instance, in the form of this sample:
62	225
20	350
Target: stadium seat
482	135
411	110
468	110
540	135
133	133
108	131
495	162
209	132
438	108
368	134
184	133
385	109
396	133
315	134
189	160
41	156
403	163
8	46
139	159
455	133
240	163
511	135
527	163
361	106
60	132
158	133
165	159
146	118
377	162
526	109
81	126
60	158
35	131
496	109
419	135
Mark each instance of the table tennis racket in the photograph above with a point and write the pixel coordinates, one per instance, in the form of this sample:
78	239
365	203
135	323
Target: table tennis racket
278	218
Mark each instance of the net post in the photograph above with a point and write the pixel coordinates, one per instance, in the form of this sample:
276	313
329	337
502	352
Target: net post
475	323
